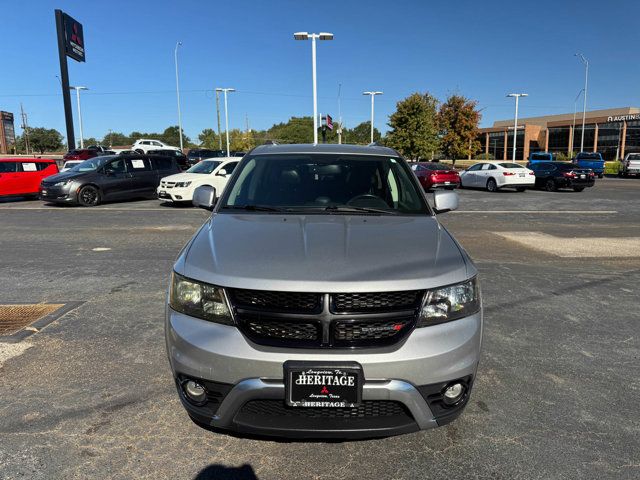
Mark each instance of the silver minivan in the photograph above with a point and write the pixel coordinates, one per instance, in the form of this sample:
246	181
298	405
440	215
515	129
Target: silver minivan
323	298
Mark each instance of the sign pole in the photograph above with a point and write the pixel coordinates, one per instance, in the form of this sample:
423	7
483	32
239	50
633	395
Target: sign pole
64	78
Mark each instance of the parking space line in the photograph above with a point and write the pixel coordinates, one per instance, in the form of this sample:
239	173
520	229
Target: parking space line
544	212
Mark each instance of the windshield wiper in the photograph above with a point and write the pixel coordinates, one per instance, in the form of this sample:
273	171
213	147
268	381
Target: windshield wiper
347	208
253	208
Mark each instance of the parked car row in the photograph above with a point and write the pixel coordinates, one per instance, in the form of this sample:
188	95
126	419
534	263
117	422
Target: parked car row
590	160
495	175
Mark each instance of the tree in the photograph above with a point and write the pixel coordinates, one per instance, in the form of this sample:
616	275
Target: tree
171	136
90	141
45	139
361	134
458	119
116	139
414	127
296	130
209	139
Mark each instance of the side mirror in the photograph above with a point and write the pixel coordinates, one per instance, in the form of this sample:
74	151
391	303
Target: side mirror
204	197
445	201
222	173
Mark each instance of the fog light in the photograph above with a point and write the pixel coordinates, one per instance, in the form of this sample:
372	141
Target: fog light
453	393
194	391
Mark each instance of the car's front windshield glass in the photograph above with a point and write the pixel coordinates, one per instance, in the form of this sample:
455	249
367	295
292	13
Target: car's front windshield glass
206	166
325	183
90	165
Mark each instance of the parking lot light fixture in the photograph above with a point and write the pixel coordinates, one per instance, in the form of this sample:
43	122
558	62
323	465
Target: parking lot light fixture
584	99
77	89
226	113
373	96
175	55
314	37
515	124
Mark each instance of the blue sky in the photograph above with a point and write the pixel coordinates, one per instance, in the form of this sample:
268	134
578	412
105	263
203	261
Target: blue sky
482	50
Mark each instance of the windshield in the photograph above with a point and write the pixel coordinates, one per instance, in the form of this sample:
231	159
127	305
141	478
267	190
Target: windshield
90	165
325	183
206	166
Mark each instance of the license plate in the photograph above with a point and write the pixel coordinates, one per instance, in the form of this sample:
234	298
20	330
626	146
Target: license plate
583	176
312	384
162	192
521	174
447	183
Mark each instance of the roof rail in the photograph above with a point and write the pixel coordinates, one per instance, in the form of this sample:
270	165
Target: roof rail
270	142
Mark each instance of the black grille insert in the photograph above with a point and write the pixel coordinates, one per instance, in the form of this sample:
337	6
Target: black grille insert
375	301
283	329
367	409
276	301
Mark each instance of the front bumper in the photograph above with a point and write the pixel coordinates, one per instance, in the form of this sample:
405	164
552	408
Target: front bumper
411	374
174	194
58	194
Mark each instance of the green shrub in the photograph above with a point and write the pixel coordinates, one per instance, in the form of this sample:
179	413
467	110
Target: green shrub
485	156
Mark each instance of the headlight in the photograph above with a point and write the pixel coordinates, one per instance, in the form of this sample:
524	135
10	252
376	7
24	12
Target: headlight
62	184
199	300
450	303
182	184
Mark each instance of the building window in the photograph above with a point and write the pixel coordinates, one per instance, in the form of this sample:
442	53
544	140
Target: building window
589	136
632	142
609	138
519	145
496	145
559	140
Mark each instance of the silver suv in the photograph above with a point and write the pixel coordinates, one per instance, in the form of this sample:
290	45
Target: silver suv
323	299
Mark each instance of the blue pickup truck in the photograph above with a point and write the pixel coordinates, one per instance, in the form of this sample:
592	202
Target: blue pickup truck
592	160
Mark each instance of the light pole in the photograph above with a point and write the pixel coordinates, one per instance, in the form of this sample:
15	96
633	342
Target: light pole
515	125
175	54
373	96
314	37
77	89
226	113
584	104
575	108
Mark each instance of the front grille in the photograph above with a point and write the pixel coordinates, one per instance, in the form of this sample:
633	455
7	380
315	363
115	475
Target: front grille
367	409
361	330
276	301
285	330
375	301
347	320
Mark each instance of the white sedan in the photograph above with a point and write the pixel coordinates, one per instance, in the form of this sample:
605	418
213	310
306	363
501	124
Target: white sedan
214	172
496	175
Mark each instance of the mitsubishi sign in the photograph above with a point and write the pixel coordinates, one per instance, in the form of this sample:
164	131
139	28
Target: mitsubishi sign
74	38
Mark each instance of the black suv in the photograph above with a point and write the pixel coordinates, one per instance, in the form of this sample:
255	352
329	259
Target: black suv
196	155
180	157
112	177
554	175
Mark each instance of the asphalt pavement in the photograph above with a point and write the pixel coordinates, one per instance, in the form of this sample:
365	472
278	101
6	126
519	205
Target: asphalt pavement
557	395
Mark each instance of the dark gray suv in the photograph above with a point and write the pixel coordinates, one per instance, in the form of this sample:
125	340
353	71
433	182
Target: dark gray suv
323	298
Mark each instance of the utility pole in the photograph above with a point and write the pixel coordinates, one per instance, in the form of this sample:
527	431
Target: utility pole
25	128
584	103
175	54
218	112
110	142
515	122
339	115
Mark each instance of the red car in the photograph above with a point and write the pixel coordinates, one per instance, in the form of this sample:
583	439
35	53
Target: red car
81	154
434	175
22	176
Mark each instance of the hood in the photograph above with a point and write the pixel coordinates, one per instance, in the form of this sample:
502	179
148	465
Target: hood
324	253
62	176
185	177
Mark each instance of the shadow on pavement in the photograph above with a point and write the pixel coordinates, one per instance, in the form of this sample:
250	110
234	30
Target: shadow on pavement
220	472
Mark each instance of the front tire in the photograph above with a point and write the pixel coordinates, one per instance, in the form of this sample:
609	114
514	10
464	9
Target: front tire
550	185
492	186
89	196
